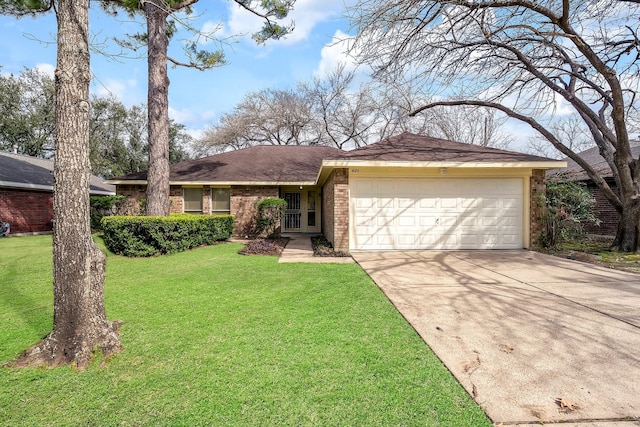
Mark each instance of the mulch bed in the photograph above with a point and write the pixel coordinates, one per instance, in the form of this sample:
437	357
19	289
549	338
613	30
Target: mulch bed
264	247
322	247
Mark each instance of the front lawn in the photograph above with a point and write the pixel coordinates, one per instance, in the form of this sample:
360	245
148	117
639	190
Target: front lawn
212	337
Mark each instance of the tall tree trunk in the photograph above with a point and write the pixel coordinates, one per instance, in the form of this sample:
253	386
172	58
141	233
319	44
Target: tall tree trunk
628	233
158	104
80	325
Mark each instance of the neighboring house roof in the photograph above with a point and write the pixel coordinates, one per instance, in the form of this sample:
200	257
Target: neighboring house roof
31	173
259	165
592	156
308	165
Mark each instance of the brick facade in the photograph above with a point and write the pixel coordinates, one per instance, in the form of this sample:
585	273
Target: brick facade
134	194
27	211
536	200
335	209
243	200
175	199
604	211
243	205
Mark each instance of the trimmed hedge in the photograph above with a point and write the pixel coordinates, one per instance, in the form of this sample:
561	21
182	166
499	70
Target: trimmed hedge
140	236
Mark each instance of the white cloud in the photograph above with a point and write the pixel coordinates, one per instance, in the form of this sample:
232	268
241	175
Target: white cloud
208	115
305	15
182	116
187	116
122	90
48	69
335	54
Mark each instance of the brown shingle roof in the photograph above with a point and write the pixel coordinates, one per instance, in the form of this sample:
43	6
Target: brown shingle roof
411	147
593	157
260	164
293	164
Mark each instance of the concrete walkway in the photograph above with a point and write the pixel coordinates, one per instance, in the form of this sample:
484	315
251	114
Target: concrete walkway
299	249
534	339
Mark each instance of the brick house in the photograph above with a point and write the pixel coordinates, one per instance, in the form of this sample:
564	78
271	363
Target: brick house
405	192
603	209
26	192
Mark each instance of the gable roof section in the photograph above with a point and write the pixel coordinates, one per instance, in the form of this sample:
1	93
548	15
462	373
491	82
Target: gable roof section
412	150
259	165
593	157
409	147
31	173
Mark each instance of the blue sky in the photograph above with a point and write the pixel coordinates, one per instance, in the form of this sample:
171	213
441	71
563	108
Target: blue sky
196	98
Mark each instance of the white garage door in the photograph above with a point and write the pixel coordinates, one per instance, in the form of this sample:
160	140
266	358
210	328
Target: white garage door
421	213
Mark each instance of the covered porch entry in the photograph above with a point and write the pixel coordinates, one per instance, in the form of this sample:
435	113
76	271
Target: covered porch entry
302	214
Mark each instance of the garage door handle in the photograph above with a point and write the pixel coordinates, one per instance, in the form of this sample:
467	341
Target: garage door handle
437	221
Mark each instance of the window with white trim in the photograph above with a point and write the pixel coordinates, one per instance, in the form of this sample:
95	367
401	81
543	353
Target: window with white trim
220	201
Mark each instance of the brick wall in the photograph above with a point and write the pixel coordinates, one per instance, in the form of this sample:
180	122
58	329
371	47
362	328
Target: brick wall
26	211
243	206
605	212
175	199
335	209
538	187
206	200
133	195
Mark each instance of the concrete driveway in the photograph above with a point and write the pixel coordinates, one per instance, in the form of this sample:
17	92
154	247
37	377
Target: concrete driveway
533	338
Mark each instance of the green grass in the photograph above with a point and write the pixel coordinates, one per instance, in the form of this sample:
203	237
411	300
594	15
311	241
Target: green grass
211	337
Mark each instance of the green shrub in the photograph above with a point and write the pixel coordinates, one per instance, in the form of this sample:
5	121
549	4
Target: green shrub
101	206
154	235
569	206
270	213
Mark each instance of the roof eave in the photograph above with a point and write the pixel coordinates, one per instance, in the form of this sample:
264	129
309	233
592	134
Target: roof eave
25	186
49	188
216	183
342	163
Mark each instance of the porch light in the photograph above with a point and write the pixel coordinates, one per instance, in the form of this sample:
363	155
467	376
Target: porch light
443	171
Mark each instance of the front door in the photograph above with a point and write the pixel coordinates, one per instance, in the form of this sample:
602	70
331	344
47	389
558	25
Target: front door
303	210
293	214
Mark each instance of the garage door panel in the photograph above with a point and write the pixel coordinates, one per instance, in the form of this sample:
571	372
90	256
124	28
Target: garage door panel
424	213
363	220
469	203
407	221
406	203
447	241
489	221
469	239
490	203
511	239
469	221
407	240
384	203
511	221
448	203
427	221
447	220
428	202
364	203
384	240
511	203
384	221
